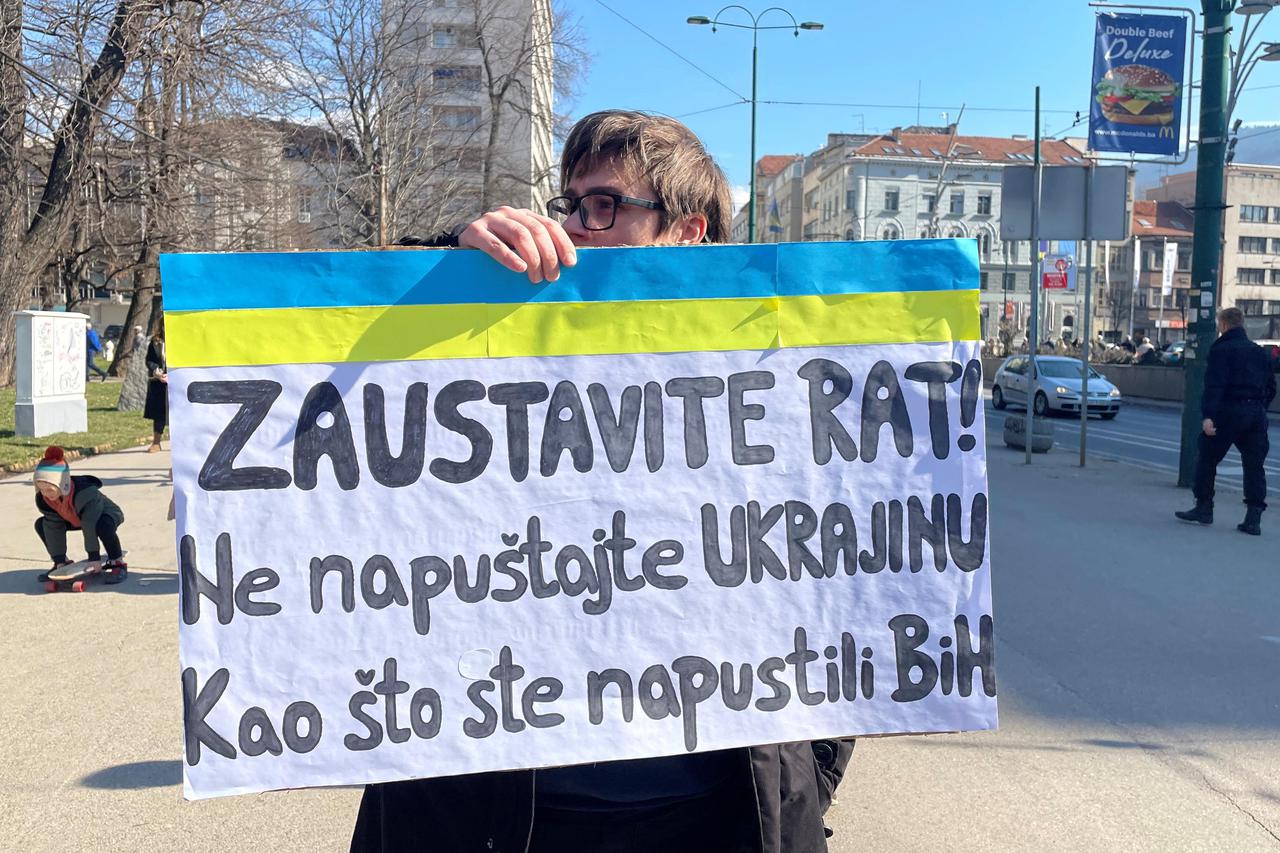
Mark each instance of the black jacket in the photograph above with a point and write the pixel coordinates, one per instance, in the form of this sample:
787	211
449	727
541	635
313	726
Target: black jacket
90	504
784	790
156	406
1238	371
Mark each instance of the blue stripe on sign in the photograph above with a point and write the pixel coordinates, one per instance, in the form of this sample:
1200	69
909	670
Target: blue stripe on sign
201	282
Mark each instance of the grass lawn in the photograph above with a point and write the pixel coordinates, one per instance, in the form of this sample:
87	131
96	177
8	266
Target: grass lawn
108	429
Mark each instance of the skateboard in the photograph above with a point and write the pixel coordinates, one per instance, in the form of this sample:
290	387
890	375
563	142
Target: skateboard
75	576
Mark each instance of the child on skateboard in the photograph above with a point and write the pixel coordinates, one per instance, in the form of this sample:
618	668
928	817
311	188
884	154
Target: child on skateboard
76	503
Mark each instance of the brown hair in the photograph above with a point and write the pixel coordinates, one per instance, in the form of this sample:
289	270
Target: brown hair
1232	318
684	177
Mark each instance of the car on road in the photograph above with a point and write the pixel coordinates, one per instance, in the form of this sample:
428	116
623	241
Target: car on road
1273	349
1056	388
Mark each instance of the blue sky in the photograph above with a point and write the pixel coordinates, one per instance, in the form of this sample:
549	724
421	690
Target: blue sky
988	55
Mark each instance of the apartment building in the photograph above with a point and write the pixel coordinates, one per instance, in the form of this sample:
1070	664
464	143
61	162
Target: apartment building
1250	275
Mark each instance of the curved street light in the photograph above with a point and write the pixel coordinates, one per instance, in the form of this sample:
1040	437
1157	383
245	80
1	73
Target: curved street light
755	27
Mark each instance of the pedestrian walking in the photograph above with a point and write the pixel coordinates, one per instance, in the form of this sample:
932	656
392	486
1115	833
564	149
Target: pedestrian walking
92	346
156	407
1239	385
628	179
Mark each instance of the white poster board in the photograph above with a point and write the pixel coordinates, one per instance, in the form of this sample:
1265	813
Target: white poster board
612	521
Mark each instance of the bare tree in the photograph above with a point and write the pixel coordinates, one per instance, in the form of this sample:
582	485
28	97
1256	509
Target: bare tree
426	108
31	239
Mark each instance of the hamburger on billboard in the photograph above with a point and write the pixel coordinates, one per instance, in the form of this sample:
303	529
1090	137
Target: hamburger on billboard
1139	62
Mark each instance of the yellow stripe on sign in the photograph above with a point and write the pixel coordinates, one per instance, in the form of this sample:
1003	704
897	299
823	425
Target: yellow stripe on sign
918	316
418	332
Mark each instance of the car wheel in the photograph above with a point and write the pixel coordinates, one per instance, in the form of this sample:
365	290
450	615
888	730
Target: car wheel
1109	416
997	398
1041	406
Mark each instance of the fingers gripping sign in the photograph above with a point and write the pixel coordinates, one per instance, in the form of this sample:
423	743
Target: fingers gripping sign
522	241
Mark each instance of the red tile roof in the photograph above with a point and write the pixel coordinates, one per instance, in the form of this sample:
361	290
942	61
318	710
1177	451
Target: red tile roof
771	164
993	149
1161	219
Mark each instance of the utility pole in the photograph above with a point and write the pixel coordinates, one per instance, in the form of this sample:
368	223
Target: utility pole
1206	248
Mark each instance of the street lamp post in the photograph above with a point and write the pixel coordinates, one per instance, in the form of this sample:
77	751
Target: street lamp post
1222	77
755	28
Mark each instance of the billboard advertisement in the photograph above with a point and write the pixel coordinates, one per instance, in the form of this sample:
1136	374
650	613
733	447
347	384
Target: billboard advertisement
1139	67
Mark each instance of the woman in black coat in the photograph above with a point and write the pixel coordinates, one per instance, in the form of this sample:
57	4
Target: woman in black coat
156	408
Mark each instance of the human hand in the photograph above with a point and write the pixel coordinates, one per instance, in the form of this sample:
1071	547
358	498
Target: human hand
163	377
1209	429
522	241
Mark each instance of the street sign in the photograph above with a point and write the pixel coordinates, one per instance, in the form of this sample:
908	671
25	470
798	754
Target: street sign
1055	273
1062	213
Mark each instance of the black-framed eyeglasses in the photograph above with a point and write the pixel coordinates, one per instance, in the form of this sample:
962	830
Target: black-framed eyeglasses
598	211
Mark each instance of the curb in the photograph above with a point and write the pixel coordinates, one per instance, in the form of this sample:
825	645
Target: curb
71	454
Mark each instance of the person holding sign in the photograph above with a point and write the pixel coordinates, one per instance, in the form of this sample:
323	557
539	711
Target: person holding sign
629	179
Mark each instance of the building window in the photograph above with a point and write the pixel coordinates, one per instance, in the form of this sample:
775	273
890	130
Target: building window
984	204
1253	245
850	199
1012	250
1275	247
891	199
1184	260
930	203
1253	213
1009	281
446	78
890	232
1251	275
984	245
957	202
445	37
304	202
1275	214
1249	306
459	118
1275	276
458	157
982	280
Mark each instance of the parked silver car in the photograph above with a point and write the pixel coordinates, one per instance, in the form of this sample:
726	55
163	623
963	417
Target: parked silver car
1057	386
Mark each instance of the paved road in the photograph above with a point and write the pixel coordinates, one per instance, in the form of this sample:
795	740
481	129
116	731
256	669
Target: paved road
1138	666
1146	435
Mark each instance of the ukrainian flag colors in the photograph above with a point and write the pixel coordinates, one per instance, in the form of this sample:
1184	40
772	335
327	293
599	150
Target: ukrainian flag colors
330	307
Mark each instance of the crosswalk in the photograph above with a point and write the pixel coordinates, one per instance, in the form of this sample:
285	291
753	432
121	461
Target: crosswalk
1142	435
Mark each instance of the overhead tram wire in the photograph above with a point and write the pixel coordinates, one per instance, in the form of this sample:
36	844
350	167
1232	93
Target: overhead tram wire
704	72
712	109
909	106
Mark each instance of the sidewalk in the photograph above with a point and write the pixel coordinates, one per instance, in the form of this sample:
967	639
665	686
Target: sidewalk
1128	720
90	700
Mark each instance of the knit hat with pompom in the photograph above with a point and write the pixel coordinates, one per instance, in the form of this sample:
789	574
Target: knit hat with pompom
53	469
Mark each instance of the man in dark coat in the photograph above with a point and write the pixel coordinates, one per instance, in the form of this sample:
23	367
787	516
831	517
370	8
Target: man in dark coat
1239	385
629	179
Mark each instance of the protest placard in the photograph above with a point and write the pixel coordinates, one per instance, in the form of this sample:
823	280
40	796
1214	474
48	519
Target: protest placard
434	520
